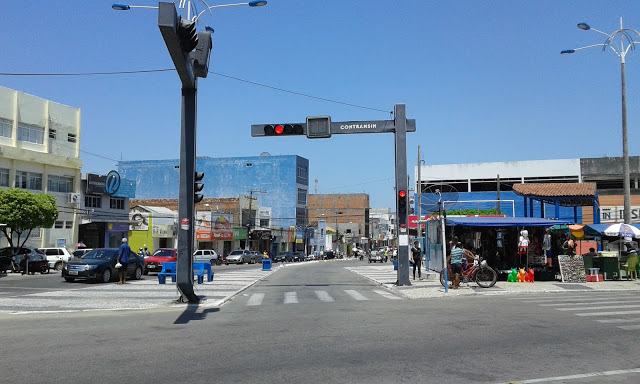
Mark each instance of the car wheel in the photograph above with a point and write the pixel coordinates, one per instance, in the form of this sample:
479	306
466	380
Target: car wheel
106	276
69	279
58	266
138	273
44	269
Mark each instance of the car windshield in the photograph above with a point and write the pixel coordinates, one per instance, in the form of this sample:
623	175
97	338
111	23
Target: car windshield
101	254
164	253
236	253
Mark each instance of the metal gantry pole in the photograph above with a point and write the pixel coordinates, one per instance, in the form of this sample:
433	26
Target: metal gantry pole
402	184
626	179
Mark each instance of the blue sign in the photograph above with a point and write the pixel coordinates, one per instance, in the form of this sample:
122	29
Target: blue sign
112	183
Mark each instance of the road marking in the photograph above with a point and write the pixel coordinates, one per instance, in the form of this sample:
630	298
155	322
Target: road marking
572	298
618	320
580	376
386	294
591	303
355	294
609	313
290	298
324	296
629	327
586	308
256	299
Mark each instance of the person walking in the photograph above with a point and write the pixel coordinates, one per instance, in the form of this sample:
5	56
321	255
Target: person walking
123	258
416	259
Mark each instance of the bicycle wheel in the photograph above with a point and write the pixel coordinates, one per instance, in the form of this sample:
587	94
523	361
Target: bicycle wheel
442	278
486	278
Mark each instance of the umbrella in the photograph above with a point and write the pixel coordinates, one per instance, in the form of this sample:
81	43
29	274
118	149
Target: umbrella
81	245
622	230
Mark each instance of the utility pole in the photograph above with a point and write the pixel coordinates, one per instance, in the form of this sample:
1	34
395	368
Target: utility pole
251	192
419	190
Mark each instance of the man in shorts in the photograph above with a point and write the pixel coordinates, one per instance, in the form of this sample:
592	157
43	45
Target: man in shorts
123	258
455	259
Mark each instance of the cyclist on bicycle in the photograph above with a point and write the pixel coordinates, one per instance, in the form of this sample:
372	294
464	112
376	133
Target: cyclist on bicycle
455	259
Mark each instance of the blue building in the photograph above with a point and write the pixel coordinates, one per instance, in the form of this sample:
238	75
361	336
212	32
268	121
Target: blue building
278	182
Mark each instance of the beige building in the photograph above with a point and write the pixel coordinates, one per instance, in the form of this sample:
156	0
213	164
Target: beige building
39	152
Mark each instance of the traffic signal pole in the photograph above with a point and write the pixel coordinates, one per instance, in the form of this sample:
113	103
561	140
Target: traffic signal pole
402	184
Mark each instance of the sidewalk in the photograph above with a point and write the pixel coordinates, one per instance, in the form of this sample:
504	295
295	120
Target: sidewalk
431	287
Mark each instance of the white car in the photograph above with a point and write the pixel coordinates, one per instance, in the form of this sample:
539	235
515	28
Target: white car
239	256
207	255
56	256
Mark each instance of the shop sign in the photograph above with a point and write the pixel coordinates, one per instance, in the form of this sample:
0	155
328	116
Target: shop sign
214	226
185	223
239	233
615	214
161	231
118	227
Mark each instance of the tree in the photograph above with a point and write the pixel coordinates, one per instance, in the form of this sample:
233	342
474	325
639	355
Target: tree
22	211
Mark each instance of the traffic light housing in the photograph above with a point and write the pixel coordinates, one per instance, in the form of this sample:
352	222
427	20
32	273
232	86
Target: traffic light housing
282	130
402	202
412	202
198	187
187	35
318	127
202	54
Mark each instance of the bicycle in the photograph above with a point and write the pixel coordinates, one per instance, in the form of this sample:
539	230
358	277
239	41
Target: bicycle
481	273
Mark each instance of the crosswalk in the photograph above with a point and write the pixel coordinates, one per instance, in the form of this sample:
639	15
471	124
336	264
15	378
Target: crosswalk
319	296
619	309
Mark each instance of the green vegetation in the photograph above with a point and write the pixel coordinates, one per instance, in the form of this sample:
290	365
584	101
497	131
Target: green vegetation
22	211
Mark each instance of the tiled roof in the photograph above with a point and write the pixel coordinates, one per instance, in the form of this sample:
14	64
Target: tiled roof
556	189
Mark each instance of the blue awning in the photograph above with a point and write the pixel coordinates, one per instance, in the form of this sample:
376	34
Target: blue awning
503	221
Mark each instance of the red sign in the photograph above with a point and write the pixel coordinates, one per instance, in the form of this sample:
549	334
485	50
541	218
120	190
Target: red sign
185	221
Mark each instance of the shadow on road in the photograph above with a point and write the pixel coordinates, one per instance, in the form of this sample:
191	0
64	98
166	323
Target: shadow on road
191	313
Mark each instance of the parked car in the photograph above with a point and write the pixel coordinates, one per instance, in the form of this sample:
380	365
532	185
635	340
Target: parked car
298	256
239	256
80	252
375	257
207	255
12	259
100	265
256	257
154	262
57	256
284	256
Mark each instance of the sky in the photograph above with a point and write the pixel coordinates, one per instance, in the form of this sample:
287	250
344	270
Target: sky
484	81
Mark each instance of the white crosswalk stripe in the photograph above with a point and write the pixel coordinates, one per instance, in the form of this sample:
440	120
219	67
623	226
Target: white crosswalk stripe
256	299
355	294
291	298
324	296
630	327
386	294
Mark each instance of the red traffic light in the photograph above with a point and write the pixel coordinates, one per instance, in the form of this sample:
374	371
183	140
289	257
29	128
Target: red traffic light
279	129
402	194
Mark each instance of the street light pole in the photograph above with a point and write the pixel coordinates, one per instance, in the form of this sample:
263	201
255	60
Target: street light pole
628	37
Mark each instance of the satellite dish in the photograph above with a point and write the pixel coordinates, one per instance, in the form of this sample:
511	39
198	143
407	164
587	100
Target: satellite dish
265	154
437	197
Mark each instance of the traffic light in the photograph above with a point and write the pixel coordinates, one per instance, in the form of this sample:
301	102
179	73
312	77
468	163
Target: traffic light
318	127
402	202
202	54
187	35
198	187
283	130
412	210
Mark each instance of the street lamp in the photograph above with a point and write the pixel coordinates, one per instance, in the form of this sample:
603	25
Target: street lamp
627	39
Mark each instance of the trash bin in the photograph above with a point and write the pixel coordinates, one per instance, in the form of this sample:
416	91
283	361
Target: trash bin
395	264
266	264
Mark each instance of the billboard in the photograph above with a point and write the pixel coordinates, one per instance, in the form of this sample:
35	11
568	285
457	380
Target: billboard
212	226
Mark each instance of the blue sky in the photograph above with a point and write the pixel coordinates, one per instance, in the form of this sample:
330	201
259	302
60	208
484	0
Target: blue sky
484	80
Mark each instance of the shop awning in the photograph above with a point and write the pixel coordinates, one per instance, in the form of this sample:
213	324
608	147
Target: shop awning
503	222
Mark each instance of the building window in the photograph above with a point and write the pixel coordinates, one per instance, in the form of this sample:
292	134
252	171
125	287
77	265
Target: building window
29	180
30	133
93	201
60	184
52	133
71	138
4	177
5	128
68	224
302	196
264	223
59	224
302	172
116	203
35	233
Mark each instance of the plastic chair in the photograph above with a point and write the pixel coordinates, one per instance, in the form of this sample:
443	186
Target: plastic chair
631	265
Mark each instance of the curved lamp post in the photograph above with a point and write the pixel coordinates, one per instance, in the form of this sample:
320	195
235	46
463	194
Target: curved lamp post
620	42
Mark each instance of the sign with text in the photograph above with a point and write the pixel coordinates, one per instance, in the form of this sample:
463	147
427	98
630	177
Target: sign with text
615	214
212	226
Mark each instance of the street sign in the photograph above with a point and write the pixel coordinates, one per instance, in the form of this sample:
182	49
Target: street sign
319	128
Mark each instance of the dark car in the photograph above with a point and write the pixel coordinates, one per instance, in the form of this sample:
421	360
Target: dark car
12	258
154	262
284	256
298	256
100	265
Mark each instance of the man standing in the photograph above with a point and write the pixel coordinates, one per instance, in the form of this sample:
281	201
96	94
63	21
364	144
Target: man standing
416	259
455	259
123	258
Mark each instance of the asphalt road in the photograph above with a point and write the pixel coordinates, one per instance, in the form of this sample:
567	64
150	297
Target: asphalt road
319	323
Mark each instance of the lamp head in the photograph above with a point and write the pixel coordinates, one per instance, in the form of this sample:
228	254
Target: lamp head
584	26
121	7
567	51
257	3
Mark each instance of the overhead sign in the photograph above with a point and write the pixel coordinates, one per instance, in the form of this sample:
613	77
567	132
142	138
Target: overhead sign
317	127
110	184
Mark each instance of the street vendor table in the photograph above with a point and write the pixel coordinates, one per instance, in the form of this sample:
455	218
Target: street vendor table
609	266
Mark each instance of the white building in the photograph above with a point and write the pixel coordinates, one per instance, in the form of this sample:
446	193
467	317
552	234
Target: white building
39	152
